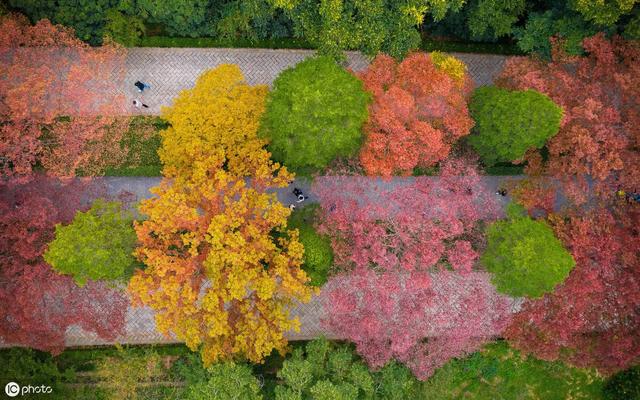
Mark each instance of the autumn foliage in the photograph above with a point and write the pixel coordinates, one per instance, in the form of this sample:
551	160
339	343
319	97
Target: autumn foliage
48	73
419	319
406	250
219	116
600	129
419	111
592	319
216	274
416	224
37	305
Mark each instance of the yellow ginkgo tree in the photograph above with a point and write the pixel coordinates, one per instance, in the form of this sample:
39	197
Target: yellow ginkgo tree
222	268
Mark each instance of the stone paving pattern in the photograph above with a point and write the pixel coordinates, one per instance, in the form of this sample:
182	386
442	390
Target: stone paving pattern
170	70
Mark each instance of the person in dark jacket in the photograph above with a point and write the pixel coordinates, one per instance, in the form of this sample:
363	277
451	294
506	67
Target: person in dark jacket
141	86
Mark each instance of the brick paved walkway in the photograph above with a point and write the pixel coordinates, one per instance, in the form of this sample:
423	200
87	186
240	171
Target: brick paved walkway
169	70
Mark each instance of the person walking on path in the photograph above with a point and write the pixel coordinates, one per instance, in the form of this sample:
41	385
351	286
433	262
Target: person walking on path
298	193
142	86
502	192
137	104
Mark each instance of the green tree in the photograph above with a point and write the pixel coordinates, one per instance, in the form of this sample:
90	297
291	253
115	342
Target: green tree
625	385
324	370
371	26
314	113
31	367
396	382
562	23
226	381
499	372
87	17
328	370
121	375
123	29
97	245
508	123
318	254
494	17
524	256
603	12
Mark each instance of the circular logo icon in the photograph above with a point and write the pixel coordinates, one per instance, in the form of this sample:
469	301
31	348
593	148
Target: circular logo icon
12	389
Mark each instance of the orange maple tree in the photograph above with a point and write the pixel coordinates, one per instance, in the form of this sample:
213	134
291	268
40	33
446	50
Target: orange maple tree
49	73
419	111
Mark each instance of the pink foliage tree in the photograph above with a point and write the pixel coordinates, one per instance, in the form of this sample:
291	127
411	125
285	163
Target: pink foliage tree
36	304
419	319
414	225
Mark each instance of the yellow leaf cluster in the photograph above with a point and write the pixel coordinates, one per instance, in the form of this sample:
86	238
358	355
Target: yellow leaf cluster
222	269
450	65
218	117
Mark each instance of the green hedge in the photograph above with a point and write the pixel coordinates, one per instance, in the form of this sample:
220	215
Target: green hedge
294	43
281	43
318	255
469	47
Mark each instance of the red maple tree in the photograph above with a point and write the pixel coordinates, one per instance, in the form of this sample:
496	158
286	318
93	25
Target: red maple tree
418	112
48	73
37	305
592	319
420	319
414	224
600	129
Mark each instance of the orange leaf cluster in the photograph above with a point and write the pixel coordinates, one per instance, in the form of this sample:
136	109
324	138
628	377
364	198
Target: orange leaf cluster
46	73
419	111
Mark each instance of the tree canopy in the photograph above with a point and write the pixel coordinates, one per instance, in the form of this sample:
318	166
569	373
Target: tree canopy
226	381
38	305
222	269
419	111
509	123
97	244
524	256
591	319
598	135
314	114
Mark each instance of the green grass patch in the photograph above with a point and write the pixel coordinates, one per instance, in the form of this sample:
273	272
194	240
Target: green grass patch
143	141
